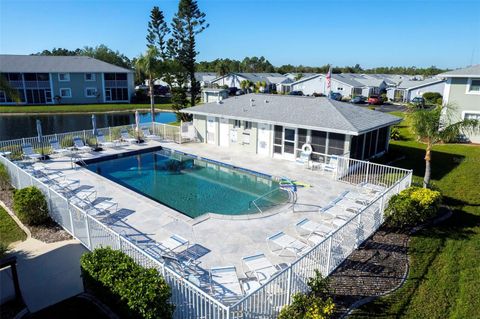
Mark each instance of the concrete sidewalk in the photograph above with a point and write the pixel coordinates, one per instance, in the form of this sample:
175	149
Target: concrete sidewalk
48	273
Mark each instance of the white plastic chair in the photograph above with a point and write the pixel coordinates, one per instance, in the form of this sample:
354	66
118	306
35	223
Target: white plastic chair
79	145
29	153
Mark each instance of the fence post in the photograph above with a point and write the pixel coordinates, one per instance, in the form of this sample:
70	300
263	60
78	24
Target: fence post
289	284
329	255
110	132
49	203
366	175
85	136
71	218
382	207
87	228
359	229
119	242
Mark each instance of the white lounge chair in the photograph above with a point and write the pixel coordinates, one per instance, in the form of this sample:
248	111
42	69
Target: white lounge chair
63	184
307	227
286	242
29	153
224	282
349	204
363	198
57	149
174	242
374	188
146	134
103	143
126	137
80	146
339	212
259	266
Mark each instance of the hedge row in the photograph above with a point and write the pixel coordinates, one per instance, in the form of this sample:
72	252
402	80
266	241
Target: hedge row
131	290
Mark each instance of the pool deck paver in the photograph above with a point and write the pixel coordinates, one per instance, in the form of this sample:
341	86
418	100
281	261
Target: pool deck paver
227	240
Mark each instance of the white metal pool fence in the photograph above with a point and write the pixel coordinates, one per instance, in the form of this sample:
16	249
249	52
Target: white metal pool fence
165	132
265	302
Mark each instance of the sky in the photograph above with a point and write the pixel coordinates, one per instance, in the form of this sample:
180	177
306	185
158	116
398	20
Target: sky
300	32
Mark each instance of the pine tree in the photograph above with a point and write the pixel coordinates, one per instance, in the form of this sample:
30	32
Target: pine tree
157	32
188	22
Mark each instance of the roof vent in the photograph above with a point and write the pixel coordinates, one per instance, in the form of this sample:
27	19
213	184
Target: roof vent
251	102
266	101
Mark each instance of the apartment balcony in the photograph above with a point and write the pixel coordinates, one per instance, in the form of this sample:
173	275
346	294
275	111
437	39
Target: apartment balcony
37	84
16	84
116	83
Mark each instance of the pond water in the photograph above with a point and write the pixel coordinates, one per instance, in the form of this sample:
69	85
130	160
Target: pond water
18	126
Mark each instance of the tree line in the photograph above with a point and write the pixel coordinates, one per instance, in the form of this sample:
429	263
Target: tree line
248	64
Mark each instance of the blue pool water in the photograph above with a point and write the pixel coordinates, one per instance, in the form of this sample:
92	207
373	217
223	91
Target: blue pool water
192	186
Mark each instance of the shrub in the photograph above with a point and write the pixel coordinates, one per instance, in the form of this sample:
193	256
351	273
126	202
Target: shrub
317	304
431	97
4	178
3	249
67	142
133	291
30	206
439	101
412	206
395	134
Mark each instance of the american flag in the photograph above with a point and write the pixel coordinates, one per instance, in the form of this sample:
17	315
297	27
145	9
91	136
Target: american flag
329	78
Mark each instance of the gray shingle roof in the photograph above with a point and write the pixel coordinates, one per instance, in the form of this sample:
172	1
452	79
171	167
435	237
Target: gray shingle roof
472	71
46	64
256	77
411	84
307	112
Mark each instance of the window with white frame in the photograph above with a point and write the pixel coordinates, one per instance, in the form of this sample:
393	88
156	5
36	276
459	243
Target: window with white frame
247	125
63	77
473	86
236	124
89	76
91	92
471	116
65	92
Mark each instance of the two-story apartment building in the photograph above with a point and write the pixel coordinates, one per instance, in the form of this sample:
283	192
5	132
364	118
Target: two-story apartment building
65	79
462	91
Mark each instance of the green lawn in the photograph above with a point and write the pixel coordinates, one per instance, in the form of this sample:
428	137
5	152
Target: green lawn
79	108
9	230
444	278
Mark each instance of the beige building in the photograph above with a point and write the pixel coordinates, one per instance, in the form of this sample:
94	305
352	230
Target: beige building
462	91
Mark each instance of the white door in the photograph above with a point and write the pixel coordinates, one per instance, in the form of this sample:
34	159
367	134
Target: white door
263	139
289	137
224	134
210	130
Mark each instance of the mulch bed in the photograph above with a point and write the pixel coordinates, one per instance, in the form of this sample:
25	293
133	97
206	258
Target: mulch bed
51	232
376	267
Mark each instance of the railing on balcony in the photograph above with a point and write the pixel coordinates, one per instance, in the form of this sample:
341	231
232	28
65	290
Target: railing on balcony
116	83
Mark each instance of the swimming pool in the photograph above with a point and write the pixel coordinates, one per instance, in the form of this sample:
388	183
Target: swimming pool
191	185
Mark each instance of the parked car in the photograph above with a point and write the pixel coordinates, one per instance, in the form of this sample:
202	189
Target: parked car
418	101
240	92
335	96
232	91
375	100
358	99
296	93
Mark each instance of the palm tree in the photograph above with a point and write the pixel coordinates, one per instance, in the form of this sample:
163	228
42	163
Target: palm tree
148	64
10	92
435	126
